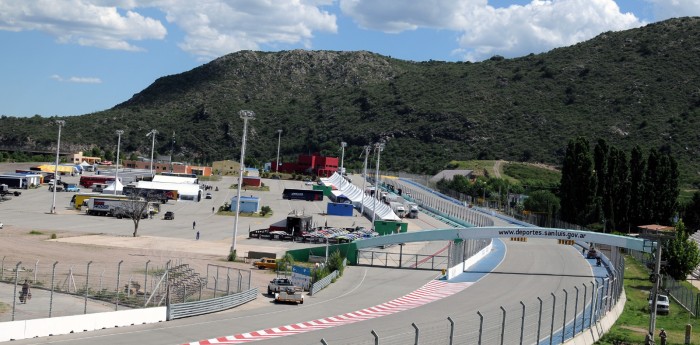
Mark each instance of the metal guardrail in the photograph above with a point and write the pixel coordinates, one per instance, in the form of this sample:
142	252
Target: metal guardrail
321	284
187	309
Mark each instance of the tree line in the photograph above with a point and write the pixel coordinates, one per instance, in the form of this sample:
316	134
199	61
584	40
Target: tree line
605	187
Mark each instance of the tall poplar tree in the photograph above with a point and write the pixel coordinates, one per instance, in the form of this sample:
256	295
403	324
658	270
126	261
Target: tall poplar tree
636	203
577	183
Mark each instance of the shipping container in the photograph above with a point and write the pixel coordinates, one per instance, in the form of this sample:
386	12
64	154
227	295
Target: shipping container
339	209
302	194
88	181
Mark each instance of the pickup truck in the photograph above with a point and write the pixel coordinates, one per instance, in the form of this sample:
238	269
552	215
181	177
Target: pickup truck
264	263
289	295
280	284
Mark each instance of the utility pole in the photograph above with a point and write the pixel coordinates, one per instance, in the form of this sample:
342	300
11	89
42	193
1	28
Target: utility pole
60	124
116	172
380	148
654	295
153	133
364	179
279	140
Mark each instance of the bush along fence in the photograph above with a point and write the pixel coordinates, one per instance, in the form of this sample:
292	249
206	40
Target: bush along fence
327	280
682	294
124	285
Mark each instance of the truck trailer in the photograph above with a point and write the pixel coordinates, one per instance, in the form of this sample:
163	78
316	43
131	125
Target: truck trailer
398	208
302	194
411	209
117	207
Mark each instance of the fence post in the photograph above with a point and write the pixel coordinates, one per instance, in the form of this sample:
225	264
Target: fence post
119	271
145	284
539	321
2	266
481	325
376	337
87	286
576	312
216	281
36	269
554	306
590	319
563	326
583	312
522	323
503	324
228	283
14	293
452	329
417	333
53	276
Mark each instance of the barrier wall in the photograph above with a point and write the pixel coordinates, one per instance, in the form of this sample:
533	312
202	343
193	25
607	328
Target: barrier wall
459	268
25	329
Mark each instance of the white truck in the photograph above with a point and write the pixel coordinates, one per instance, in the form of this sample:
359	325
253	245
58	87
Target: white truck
280	284
411	209
398	208
389	198
116	207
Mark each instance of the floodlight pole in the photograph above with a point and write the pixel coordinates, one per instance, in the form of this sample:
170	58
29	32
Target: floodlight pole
364	180
116	171
60	124
153	133
279	140
245	115
379	147
342	168
655	293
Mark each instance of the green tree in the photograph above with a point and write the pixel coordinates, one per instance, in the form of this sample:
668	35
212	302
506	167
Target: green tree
133	156
577	188
636	204
542	201
335	263
96	152
109	155
285	263
691	213
619	190
681	254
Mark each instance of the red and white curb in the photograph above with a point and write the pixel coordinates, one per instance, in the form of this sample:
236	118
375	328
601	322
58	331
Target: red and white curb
432	291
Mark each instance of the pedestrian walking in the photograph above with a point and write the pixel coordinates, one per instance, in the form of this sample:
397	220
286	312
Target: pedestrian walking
662	335
212	210
26	293
194	224
197	236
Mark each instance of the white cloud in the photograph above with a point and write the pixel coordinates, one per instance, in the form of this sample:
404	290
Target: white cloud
665	9
485	30
214	28
80	22
78	80
211	27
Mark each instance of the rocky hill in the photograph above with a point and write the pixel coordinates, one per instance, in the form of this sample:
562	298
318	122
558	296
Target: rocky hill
635	87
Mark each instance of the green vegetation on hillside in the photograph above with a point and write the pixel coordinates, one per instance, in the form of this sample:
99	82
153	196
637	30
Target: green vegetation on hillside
634	87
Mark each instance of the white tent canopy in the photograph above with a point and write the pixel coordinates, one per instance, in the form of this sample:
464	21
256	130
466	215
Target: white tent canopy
357	196
185	191
110	188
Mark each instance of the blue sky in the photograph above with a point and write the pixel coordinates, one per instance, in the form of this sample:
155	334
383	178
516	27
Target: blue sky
74	57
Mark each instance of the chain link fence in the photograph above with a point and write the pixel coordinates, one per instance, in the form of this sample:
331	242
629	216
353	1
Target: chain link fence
124	284
683	294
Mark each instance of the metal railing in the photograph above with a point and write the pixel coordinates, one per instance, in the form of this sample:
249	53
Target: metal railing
549	319
124	284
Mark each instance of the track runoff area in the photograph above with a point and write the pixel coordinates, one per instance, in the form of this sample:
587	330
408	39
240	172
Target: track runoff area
435	289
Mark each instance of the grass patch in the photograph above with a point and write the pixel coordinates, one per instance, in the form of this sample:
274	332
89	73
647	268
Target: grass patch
36	232
633	324
244	214
532	176
247	188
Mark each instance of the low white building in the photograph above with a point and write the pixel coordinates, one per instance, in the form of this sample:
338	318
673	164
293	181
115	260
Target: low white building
185	191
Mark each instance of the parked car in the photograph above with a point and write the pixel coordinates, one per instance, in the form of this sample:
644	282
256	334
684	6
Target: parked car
265	263
170	215
0	225
663	305
207	196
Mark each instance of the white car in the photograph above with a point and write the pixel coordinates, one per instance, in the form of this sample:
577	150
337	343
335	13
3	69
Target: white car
662	304
0	225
